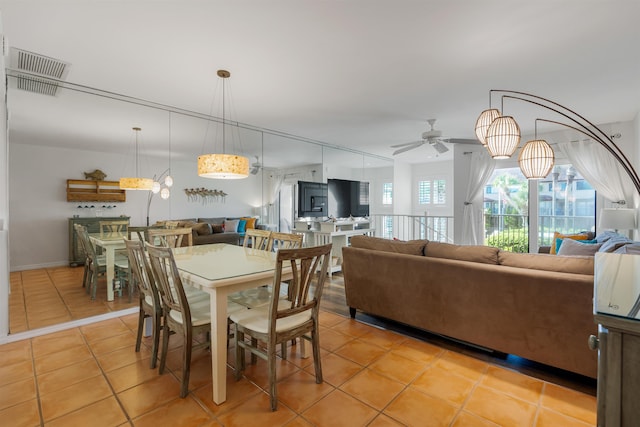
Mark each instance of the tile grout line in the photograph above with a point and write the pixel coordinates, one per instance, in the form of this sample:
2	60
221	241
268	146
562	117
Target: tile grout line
35	380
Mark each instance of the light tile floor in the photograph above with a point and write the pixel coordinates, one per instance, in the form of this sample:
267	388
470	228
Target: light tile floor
373	377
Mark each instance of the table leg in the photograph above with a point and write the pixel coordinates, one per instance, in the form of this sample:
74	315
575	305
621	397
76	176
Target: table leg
219	344
110	271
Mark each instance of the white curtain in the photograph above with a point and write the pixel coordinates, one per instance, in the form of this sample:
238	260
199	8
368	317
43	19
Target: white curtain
601	170
481	166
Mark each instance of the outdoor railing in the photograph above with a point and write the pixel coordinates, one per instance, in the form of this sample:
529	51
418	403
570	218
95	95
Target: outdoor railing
511	232
413	227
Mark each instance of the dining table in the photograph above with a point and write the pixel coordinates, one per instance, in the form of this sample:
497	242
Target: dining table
110	242
221	269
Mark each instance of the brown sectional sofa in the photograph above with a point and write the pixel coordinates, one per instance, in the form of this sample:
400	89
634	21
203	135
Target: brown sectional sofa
539	307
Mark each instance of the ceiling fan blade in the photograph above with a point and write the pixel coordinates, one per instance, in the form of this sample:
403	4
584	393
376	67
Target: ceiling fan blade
440	147
408	143
463	141
410	147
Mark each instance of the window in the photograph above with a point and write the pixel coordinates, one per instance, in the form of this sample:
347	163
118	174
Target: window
432	192
566	203
387	193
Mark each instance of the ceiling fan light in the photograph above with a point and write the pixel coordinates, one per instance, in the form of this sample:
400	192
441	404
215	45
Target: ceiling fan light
503	137
223	166
536	159
484	121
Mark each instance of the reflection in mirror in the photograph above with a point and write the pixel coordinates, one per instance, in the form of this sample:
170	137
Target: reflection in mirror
86	131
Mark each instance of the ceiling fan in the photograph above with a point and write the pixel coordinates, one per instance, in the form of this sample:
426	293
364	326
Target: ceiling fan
432	137
255	166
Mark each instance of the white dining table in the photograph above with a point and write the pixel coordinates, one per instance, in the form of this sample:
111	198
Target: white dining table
221	269
110	242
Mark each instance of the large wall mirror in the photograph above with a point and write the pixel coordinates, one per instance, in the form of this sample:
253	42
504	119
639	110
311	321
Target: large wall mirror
56	138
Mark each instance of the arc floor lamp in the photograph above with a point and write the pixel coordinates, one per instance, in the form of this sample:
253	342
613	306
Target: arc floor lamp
501	136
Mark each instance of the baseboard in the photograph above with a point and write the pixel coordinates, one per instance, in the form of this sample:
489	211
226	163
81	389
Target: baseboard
36	266
67	325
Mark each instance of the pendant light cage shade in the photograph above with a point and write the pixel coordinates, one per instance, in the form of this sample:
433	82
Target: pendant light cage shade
223	166
503	137
484	121
536	159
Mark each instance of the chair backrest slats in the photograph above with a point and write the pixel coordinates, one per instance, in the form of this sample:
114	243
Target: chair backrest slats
256	239
171	238
113	227
284	241
141	269
167	277
309	267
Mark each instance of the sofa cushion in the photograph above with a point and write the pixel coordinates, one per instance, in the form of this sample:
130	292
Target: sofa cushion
212	220
547	262
482	254
576	247
556	235
413	247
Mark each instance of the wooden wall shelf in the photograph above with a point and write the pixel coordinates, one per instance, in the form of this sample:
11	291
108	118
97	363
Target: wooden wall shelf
82	190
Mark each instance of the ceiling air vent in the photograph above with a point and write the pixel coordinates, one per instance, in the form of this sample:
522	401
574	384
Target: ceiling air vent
34	72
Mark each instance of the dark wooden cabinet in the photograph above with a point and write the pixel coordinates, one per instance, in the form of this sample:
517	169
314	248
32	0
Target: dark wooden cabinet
76	254
618	344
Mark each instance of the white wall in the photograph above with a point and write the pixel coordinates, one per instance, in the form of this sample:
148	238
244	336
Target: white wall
4	206
40	212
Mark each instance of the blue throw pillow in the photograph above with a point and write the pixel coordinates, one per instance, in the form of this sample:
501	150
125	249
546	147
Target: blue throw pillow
559	243
242	225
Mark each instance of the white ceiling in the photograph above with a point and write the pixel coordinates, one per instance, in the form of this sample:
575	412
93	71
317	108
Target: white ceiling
365	74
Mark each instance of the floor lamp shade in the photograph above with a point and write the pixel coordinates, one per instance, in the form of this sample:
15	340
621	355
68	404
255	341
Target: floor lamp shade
617	219
536	159
503	137
484	121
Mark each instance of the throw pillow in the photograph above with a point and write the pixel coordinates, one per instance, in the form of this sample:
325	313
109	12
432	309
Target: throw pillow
201	228
242	226
576	247
557	235
231	225
251	222
217	228
559	243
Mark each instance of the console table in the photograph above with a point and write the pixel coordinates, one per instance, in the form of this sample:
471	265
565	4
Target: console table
618	343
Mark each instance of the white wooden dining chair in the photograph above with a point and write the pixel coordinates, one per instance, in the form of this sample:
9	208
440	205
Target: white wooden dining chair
149	296
186	314
284	320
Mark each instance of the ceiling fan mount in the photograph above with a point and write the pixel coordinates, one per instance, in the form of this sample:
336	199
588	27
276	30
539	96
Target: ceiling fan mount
256	166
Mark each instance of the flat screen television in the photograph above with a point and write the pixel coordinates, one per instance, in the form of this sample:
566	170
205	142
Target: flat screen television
348	198
312	199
